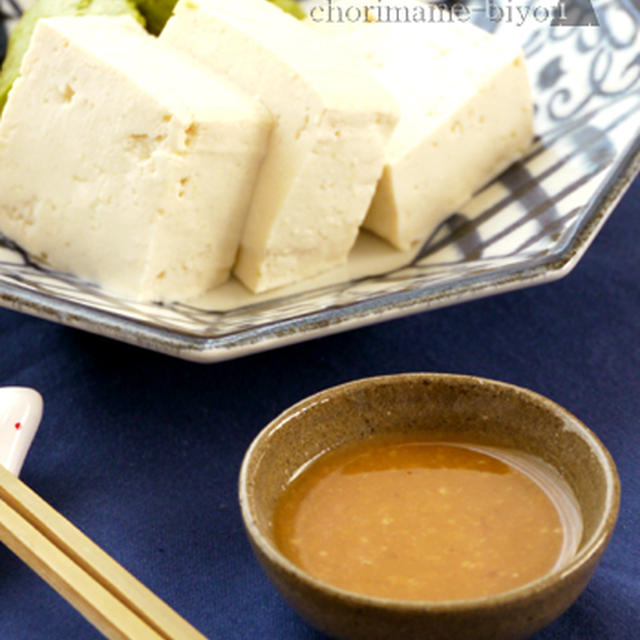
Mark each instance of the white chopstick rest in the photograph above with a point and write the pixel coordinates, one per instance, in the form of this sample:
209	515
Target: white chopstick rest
20	414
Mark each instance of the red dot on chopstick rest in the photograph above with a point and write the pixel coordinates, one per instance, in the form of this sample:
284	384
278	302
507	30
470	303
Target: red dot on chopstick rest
17	425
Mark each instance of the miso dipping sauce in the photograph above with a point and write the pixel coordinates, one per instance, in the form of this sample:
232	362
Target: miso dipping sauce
420	520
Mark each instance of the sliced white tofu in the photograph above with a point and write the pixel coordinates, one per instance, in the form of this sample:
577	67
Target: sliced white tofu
125	162
327	149
466	105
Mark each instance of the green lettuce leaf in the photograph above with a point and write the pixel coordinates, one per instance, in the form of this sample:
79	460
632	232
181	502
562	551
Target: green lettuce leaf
156	13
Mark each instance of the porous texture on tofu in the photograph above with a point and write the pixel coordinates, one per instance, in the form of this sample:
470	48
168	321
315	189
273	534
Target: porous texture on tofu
326	152
125	162
466	106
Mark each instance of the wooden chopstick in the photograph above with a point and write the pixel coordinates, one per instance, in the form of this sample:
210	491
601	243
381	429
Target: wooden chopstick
91	599
115	602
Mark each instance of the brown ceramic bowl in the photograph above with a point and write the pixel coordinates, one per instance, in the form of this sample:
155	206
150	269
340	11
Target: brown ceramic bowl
481	410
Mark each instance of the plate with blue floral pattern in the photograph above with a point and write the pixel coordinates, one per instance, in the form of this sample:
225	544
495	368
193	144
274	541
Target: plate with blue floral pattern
529	226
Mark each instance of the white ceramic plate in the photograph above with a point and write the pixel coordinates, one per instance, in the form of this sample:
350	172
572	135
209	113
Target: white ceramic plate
530	226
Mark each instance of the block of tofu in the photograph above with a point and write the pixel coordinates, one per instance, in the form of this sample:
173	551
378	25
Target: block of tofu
125	162
326	151
466	110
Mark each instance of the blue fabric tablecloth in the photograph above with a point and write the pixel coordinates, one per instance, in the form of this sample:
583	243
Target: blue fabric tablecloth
142	451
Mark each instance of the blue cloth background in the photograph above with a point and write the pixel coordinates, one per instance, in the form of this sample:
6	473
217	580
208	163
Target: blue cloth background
142	451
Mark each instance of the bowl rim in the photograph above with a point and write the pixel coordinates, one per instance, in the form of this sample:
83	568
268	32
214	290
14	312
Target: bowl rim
593	546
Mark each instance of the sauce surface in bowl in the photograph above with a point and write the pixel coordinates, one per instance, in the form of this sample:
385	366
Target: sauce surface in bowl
418	520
